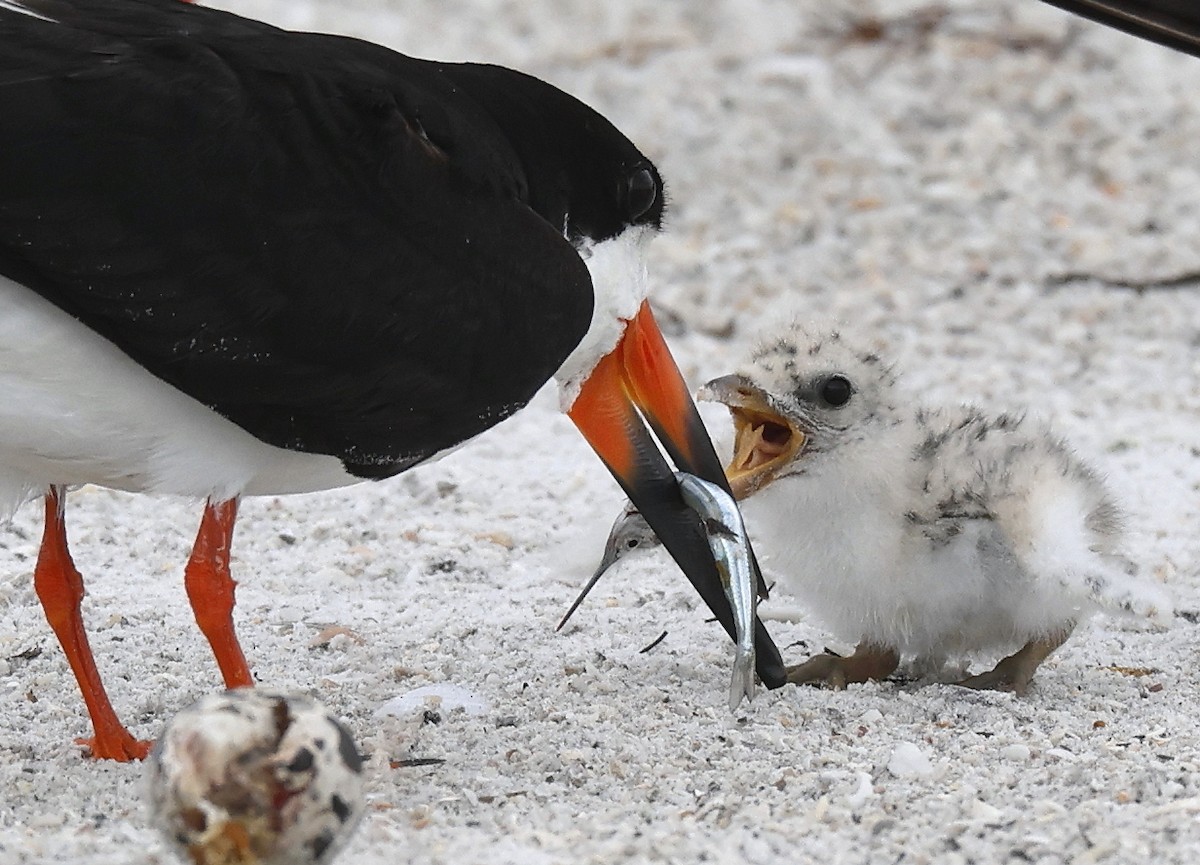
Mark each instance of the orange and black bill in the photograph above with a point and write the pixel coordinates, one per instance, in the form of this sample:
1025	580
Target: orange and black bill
639	380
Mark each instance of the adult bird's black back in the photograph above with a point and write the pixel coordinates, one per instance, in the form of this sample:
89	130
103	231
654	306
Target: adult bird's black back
237	260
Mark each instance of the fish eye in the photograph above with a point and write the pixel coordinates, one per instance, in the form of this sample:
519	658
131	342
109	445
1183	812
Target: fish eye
643	192
836	391
632	544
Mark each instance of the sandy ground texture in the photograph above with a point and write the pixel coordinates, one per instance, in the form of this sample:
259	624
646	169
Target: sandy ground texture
1004	199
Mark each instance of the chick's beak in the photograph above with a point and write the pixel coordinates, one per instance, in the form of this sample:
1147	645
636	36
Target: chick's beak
639	379
765	441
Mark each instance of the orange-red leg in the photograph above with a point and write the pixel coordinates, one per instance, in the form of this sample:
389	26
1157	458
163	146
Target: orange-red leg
60	589
210	588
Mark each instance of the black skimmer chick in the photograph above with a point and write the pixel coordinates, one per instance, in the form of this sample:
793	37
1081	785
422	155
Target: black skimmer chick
923	533
236	260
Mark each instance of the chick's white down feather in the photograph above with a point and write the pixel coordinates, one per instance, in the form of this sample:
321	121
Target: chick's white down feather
934	532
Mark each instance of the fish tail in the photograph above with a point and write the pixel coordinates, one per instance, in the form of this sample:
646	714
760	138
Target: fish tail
742	683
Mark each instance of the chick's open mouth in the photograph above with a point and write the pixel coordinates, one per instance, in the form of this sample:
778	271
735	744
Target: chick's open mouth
764	442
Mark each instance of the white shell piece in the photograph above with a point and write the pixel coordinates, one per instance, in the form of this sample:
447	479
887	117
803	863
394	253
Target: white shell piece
442	696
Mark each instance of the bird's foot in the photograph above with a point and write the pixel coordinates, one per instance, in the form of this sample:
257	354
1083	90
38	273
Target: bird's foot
121	747
998	679
834	671
1015	672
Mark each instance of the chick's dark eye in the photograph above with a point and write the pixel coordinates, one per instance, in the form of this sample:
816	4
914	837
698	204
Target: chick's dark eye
643	192
836	391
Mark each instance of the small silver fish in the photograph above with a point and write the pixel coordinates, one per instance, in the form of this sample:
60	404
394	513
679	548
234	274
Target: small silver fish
727	539
629	532
731	550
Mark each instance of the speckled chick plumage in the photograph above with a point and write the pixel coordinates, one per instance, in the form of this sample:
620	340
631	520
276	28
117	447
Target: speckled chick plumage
936	532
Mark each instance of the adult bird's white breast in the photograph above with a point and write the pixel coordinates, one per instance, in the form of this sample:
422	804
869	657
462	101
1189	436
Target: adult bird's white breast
75	409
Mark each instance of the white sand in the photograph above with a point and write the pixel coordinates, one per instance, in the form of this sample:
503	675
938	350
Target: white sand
934	186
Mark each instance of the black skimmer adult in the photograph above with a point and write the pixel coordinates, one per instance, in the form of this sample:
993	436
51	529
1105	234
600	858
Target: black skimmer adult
236	260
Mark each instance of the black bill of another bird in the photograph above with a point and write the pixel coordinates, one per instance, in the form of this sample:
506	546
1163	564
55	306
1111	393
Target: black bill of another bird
1174	23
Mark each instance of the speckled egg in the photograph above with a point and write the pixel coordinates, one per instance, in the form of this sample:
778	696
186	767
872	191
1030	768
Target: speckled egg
255	777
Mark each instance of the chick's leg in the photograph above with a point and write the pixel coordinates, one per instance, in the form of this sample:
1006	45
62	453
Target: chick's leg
1015	672
868	662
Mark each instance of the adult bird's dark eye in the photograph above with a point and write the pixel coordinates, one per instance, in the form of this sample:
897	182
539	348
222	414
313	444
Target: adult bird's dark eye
643	192
836	391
